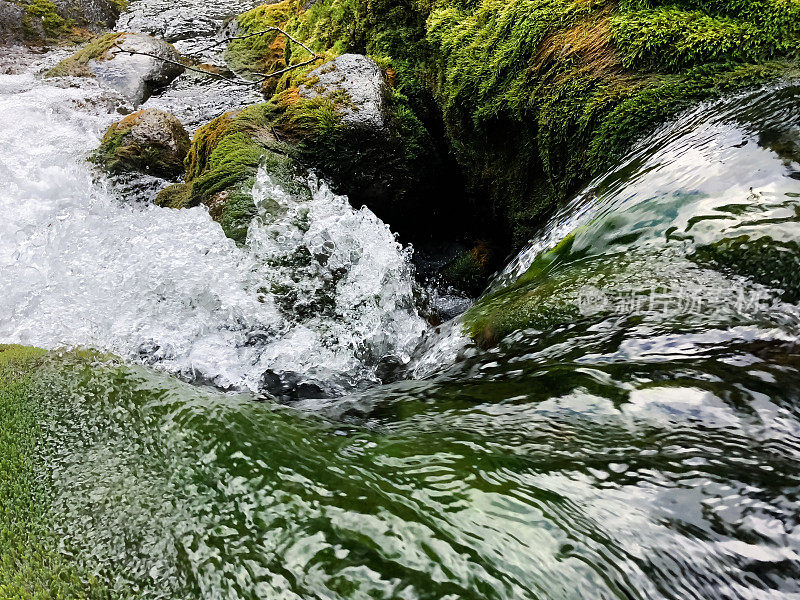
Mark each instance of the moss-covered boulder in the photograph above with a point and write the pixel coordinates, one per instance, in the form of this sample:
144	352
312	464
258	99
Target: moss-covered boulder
221	165
151	141
344	122
133	64
361	88
535	97
52	21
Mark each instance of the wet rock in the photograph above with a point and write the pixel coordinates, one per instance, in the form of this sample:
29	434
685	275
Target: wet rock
358	88
380	154
151	141
470	271
135	76
44	21
221	166
185	27
288	386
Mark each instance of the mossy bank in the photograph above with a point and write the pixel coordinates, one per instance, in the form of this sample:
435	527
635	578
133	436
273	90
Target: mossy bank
531	97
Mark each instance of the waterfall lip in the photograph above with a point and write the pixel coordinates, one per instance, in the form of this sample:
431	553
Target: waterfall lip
734	110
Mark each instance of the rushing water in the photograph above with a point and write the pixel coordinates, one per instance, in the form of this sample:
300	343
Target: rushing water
320	298
640	440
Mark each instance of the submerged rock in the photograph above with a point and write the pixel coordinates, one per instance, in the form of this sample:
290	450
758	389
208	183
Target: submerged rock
151	141
135	76
42	21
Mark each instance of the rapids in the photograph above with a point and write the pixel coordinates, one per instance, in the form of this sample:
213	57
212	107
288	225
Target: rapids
637	439
323	297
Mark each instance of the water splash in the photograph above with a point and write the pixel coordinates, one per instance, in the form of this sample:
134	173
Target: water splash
81	266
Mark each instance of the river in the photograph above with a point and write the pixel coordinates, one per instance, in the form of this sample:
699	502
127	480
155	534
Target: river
638	439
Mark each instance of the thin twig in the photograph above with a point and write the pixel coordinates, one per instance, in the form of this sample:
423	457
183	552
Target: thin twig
290	67
174	62
239	81
245	36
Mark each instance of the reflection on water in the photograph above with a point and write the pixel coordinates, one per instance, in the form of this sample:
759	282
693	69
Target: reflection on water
639	438
629	449
542	476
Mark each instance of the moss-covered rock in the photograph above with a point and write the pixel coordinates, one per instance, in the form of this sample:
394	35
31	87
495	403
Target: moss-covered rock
534	97
52	21
540	96
151	141
530	98
344	122
221	165
135	76
537	298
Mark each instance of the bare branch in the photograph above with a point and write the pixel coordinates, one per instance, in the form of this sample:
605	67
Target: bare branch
290	68
239	80
180	64
258	33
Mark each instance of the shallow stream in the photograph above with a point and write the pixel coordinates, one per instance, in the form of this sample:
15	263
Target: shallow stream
639	438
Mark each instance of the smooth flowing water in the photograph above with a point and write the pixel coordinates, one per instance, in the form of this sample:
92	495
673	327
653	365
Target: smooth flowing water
639	439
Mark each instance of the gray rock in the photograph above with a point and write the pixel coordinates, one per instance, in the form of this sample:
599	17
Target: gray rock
366	89
136	76
11	15
19	23
96	14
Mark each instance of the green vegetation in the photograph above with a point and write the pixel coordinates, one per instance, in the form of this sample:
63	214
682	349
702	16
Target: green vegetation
45	14
30	566
226	153
534	97
220	169
77	64
540	96
266	53
149	140
48	22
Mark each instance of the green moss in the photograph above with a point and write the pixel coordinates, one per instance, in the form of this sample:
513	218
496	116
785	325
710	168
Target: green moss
121	150
77	64
221	165
262	53
538	97
45	14
31	567
535	97
176	195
